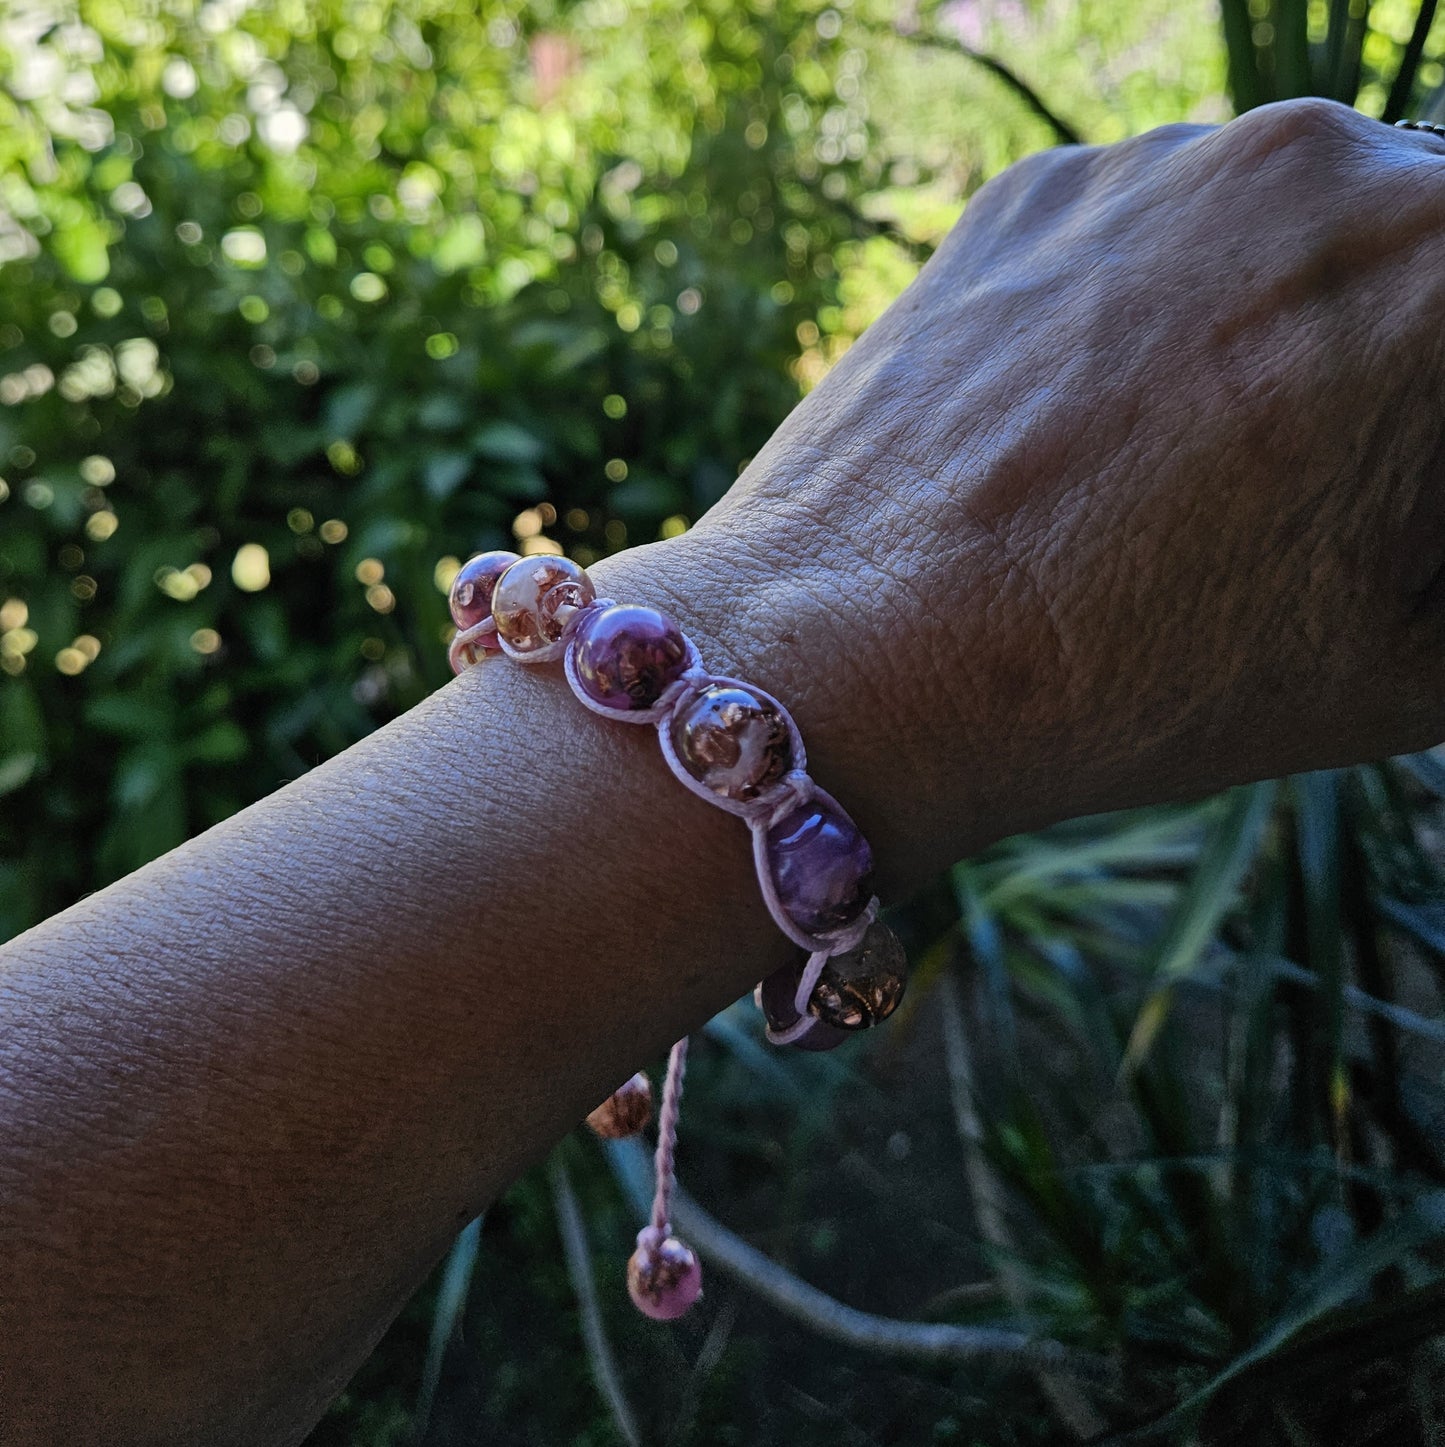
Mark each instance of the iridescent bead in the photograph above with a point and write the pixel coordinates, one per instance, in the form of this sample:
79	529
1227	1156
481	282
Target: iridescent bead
536	597
864	985
625	1111
732	741
471	595
775	997
626	655
821	866
663	1278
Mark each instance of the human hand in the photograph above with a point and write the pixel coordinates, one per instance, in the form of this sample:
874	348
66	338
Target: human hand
1134	493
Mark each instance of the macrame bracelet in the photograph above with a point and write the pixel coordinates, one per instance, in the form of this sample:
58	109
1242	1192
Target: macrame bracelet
737	747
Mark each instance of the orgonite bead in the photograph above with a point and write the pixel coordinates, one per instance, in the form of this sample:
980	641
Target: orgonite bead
821	866
472	588
626	655
665	1279
536	597
775	997
864	985
625	1111
732	741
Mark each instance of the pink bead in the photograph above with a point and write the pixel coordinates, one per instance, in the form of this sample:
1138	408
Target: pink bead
535	599
663	1277
732	741
472	588
626	656
625	1111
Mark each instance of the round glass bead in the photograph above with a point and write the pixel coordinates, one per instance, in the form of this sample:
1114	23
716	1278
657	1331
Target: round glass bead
626	655
665	1279
472	588
625	1111
775	997
732	741
862	986
535	599
821	866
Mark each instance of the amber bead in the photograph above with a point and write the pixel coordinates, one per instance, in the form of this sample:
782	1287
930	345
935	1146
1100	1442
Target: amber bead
863	986
536	597
732	741
625	1111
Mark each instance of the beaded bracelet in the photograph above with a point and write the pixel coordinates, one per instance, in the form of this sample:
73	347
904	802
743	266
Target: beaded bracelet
737	747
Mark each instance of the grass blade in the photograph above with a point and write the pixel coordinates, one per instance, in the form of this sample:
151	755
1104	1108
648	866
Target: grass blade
885	1336
1344	1276
451	1301
986	945
1230	848
1403	85
1318	841
594	1334
1246	84
1065	1396
1344	44
1293	71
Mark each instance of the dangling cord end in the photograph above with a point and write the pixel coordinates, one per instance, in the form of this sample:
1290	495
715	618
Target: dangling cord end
663	1276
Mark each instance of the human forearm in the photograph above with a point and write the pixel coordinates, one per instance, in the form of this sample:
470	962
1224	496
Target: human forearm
248	1094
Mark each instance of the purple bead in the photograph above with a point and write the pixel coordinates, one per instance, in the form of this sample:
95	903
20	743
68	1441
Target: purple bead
822	867
472	588
663	1279
775	997
627	655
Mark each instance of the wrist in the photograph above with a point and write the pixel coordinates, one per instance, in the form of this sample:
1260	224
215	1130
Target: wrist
893	697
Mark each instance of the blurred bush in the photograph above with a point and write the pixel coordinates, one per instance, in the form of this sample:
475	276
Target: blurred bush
302	303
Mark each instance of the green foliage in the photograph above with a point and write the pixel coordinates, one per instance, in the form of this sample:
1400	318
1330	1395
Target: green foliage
1385	57
311	302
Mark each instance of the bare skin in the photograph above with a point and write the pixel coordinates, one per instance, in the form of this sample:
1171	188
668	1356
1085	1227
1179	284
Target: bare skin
1135	493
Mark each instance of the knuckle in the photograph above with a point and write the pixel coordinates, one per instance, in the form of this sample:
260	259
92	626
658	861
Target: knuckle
1308	126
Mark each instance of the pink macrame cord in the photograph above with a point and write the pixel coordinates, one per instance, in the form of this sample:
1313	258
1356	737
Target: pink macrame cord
478	639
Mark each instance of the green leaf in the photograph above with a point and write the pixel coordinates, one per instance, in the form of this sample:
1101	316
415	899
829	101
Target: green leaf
223	743
442	412
456	1285
137	716
462	244
80	245
1229	850
444	472
647	498
349	409
22	724
17	771
506	442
